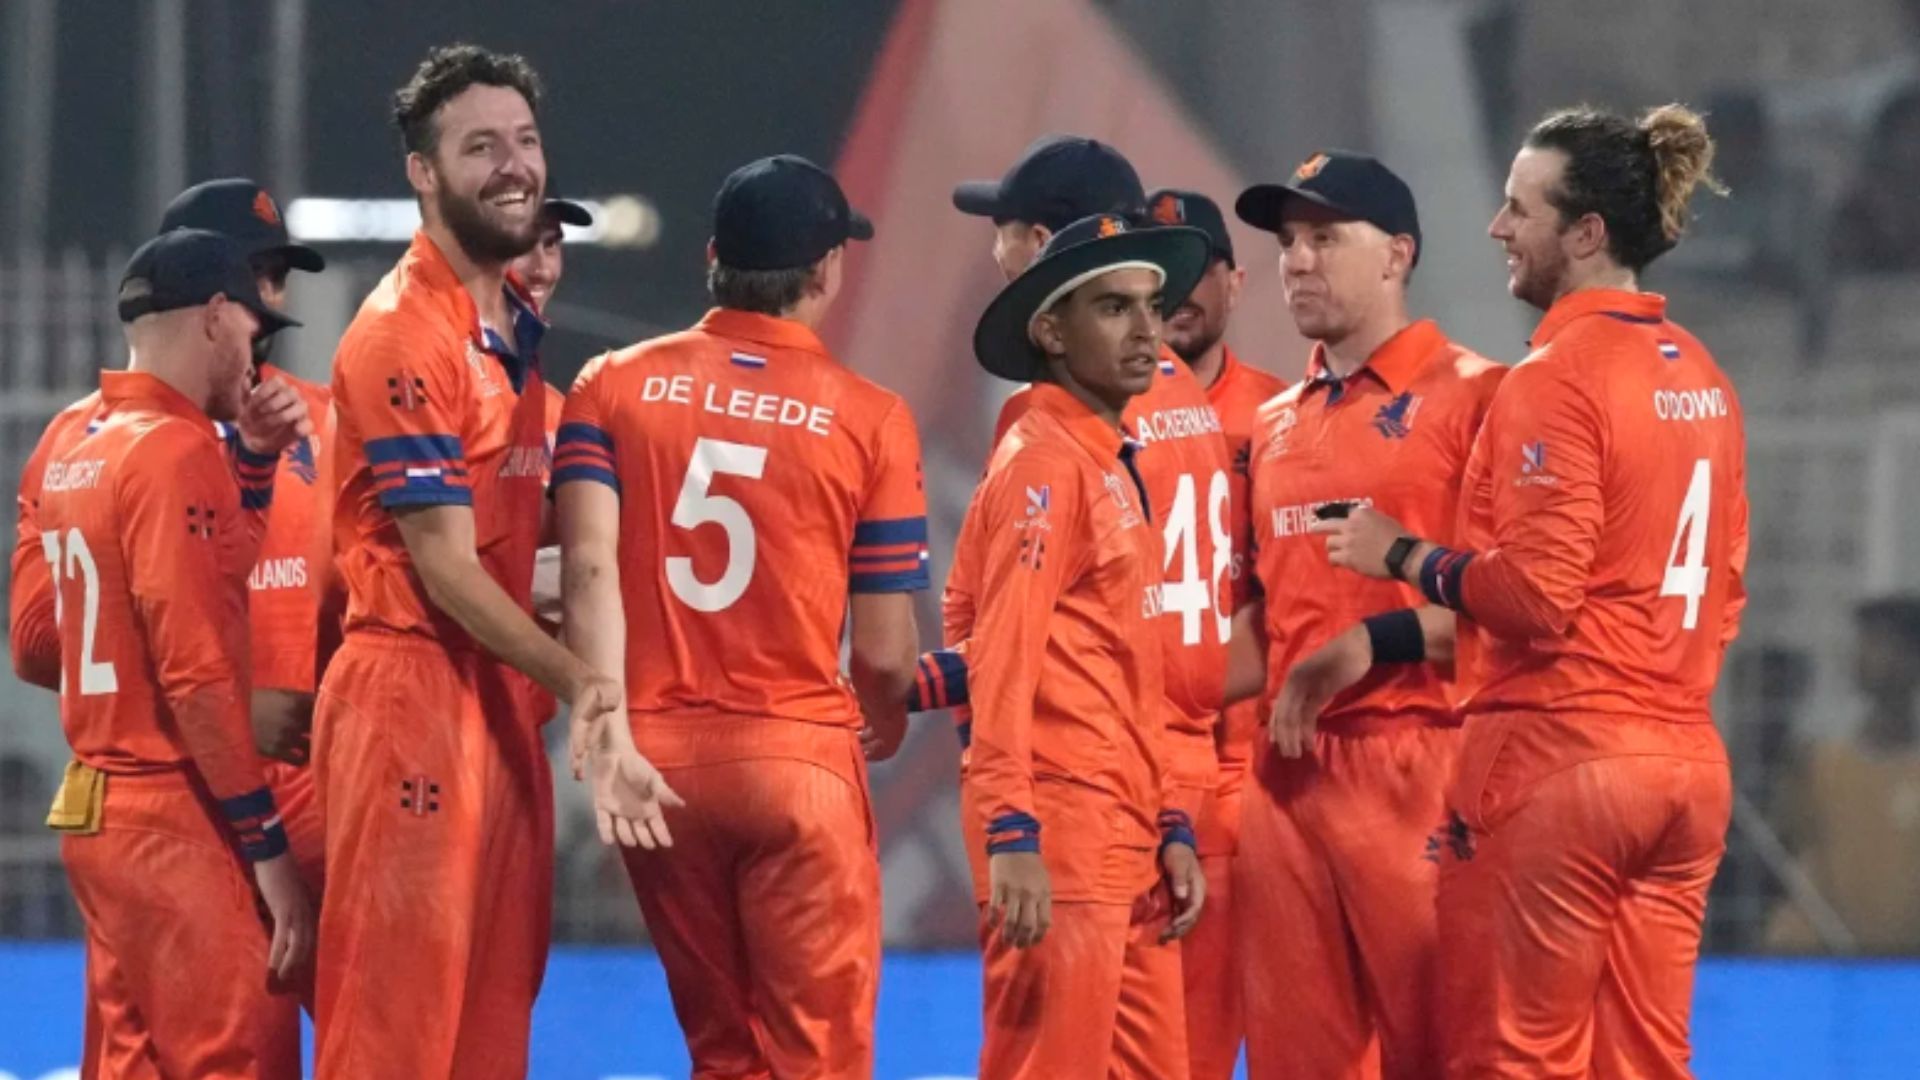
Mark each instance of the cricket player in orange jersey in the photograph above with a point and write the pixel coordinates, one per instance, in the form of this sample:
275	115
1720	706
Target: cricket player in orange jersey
1184	459
1598	581
436	788
1083	875
281	609
282	606
730	497
1196	332
165	807
1335	844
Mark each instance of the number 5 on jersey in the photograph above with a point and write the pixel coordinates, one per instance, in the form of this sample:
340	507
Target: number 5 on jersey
697	506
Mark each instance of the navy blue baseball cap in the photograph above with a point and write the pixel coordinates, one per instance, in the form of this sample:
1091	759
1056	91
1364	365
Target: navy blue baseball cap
1174	206
1354	185
782	212
1059	180
567	212
188	267
239	208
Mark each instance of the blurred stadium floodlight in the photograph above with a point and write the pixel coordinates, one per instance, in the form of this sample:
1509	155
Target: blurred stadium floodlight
619	221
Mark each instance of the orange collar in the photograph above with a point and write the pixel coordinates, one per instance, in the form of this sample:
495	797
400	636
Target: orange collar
1633	307
768	330
1095	434
122	387
1394	364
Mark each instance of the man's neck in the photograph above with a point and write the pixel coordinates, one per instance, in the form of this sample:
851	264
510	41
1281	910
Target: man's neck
1211	365
1058	374
484	282
808	311
1351	353
189	383
1600	274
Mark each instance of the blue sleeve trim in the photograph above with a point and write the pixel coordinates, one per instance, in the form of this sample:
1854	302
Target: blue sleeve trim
423	449
910	581
1176	827
1013	831
566	474
1442	575
889	532
397	498
583	433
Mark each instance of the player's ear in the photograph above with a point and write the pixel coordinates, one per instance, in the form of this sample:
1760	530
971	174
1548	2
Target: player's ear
1400	251
212	315
1046	334
420	175
1236	281
1586	236
711	257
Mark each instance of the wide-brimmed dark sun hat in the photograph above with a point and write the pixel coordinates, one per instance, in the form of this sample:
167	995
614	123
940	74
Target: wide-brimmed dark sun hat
1072	257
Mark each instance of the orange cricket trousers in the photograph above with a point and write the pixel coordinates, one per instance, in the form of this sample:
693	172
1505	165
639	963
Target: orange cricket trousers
1098	998
1334	903
766	909
1209	962
438	808
1572	894
177	981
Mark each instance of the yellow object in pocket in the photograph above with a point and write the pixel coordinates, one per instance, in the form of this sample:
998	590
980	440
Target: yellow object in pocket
77	806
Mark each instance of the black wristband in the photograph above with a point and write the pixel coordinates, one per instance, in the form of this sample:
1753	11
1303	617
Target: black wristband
1396	637
1397	556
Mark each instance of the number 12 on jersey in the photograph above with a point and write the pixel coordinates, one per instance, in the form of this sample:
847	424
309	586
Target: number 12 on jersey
96	677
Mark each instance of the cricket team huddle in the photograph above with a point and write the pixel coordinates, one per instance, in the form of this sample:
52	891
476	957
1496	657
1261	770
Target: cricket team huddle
1359	720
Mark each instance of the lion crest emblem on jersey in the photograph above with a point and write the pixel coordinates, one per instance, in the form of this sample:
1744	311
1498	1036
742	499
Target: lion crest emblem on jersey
1395	418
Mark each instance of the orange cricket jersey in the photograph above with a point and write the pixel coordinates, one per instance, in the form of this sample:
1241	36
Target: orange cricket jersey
1396	435
1604	534
760	482
1187	469
282	605
34	637
140	521
1064	675
1236	394
432	408
33	633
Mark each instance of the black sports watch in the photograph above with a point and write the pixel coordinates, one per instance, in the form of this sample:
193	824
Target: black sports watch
1397	555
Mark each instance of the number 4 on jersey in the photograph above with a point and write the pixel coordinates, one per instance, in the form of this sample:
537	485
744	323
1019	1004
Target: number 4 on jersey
1190	596
1687	575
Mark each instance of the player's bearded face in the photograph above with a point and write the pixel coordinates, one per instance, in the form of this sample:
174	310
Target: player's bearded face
230	330
489	173
1199	323
1103	339
1530	230
270	276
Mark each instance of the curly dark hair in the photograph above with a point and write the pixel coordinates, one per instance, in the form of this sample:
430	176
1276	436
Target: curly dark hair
447	71
1638	175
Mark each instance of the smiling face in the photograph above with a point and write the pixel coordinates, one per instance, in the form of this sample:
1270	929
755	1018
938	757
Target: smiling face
1530	229
542	266
485	176
1104	337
